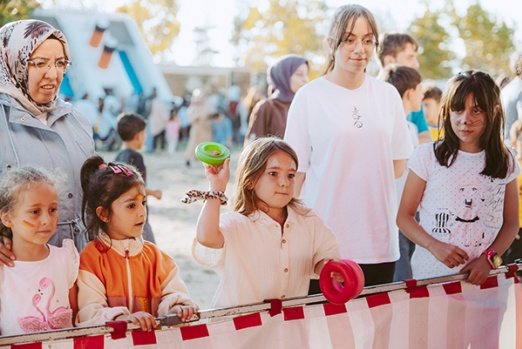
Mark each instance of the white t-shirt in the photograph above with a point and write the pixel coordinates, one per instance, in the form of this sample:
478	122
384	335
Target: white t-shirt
459	206
257	262
35	295
346	141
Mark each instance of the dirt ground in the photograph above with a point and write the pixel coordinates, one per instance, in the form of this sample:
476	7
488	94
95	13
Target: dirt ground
173	222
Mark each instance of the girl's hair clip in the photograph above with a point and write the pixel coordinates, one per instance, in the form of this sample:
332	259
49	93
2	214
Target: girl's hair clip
117	169
102	166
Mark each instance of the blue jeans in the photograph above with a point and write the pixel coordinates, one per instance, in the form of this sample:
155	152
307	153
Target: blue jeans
403	265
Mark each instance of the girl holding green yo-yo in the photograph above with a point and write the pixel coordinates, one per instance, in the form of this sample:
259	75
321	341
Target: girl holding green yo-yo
270	244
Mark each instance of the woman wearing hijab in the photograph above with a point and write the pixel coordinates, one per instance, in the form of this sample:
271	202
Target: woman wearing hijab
285	77
37	128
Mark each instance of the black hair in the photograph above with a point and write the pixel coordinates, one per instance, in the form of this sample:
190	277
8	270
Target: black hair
432	92
403	78
487	97
129	125
101	185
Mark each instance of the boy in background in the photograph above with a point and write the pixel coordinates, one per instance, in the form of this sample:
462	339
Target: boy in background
431	106
131	128
222	129
401	50
408	82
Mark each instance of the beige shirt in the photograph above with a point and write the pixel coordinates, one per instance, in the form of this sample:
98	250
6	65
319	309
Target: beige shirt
257	262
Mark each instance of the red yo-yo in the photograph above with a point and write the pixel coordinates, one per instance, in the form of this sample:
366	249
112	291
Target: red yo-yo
353	281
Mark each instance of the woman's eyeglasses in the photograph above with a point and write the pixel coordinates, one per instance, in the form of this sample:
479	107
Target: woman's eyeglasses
45	64
351	43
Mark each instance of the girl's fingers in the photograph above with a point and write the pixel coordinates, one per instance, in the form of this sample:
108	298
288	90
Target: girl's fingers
456	258
138	322
6	256
145	321
463	255
185	312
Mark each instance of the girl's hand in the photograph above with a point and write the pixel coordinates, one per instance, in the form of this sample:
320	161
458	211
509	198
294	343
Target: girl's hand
336	276
452	256
478	269
218	175
140	318
6	256
184	312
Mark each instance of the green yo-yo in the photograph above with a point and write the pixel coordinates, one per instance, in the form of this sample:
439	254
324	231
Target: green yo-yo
212	153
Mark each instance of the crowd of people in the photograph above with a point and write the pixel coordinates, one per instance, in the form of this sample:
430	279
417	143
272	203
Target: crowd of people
329	169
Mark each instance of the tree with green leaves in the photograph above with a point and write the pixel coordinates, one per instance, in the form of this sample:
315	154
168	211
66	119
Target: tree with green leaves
157	21
488	41
14	10
435	58
289	26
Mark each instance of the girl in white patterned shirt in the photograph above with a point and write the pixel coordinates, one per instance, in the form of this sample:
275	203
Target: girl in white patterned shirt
464	185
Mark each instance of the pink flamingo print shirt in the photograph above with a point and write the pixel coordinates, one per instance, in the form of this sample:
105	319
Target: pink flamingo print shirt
35	295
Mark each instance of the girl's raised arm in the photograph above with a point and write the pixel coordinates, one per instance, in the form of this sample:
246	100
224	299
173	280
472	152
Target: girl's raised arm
207	228
448	254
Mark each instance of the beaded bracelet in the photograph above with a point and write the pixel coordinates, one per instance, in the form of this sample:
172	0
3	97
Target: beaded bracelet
195	195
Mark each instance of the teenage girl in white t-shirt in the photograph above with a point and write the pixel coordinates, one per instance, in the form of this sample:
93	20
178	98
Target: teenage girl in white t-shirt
349	132
464	186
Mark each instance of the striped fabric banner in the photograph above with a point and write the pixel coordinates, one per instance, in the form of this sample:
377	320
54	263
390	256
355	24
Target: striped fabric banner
451	315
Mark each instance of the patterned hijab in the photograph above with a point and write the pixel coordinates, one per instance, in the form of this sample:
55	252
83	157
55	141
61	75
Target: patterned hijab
18	40
279	75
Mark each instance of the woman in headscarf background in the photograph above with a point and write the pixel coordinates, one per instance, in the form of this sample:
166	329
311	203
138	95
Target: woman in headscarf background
287	75
37	127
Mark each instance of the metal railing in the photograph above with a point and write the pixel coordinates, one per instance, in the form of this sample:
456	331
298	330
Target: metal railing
173	320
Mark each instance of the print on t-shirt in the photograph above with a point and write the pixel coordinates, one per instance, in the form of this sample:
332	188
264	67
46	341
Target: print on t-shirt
469	221
51	316
356	117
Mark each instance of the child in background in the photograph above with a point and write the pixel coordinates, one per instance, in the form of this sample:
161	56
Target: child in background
122	276
407	81
38	293
270	245
431	104
464	186
172	129
222	130
514	252
401	49
131	128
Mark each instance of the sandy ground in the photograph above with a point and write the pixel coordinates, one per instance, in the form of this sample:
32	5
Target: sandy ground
173	222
